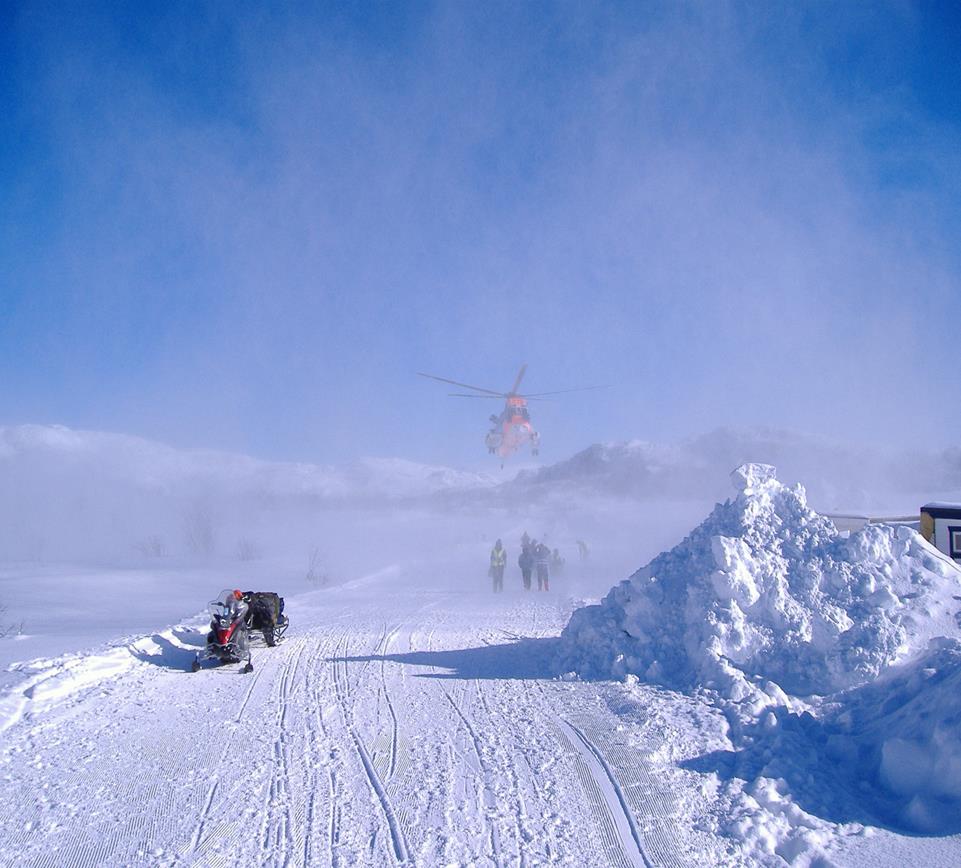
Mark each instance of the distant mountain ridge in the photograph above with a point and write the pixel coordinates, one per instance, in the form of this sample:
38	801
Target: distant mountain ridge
66	492
49	450
97	496
836	476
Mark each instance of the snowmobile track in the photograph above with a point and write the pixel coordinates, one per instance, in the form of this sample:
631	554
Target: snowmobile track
339	668
316	738
509	773
361	745
613	795
278	835
392	765
488	792
250	691
396	834
204	814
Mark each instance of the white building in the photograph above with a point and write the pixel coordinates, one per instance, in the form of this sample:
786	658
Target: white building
941	526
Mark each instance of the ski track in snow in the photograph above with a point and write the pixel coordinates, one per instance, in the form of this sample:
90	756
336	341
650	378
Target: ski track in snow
628	842
351	743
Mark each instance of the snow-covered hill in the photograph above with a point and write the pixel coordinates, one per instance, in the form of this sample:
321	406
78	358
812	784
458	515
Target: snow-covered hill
72	494
67	494
837	477
53	450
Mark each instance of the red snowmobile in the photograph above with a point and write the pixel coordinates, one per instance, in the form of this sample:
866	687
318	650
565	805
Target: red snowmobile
232	616
229	638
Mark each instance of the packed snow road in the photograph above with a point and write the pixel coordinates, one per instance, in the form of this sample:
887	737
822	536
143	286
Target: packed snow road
432	735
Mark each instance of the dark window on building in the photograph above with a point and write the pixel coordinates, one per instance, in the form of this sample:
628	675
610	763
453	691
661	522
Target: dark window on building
954	541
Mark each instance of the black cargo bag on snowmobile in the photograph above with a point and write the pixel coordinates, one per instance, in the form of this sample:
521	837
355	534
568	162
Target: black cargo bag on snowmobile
267	614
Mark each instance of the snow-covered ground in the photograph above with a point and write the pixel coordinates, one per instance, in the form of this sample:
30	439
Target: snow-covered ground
429	729
398	722
766	691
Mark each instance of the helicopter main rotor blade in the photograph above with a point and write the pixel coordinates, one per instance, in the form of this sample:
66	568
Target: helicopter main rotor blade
520	376
563	391
486	397
462	385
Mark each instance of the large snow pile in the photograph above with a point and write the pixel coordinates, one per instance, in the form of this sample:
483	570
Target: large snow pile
766	597
835	659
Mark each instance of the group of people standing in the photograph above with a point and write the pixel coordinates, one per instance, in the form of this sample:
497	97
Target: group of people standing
535	558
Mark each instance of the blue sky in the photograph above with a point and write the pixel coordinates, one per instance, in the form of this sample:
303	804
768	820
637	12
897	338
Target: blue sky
231	226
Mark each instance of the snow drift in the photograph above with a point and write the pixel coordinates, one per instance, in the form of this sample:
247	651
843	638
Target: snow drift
766	597
902	735
44	682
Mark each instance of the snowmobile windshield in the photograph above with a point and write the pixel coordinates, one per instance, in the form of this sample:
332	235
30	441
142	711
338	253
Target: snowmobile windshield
226	606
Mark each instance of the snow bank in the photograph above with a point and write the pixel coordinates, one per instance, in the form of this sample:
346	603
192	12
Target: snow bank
42	684
902	734
767	598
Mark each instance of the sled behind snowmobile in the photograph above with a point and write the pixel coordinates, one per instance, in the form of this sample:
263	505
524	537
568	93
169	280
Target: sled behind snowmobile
266	613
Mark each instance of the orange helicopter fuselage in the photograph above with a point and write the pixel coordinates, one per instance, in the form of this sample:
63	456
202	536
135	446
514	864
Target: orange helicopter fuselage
516	428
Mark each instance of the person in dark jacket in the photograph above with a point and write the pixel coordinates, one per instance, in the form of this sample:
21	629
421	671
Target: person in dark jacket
498	562
542	561
526	563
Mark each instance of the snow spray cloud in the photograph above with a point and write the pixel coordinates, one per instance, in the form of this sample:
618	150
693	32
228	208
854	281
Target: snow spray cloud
247	228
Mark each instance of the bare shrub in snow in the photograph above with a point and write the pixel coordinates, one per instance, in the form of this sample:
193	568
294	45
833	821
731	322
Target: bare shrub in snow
152	547
15	629
316	574
199	529
247	550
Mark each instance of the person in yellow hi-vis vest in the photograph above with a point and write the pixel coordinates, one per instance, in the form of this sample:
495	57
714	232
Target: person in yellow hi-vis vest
498	562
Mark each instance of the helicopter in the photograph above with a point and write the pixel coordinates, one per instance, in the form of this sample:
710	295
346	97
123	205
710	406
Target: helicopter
512	428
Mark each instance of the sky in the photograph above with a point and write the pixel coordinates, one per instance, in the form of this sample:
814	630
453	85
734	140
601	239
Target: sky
247	228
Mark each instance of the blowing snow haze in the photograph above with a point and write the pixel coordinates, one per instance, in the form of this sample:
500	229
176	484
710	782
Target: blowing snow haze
84	495
245	229
232	234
